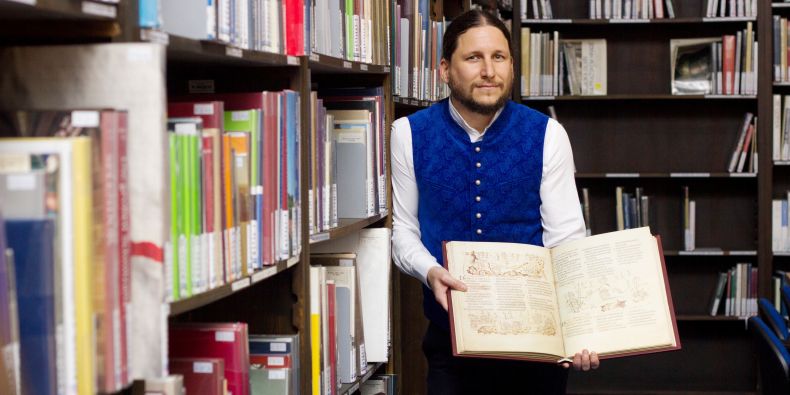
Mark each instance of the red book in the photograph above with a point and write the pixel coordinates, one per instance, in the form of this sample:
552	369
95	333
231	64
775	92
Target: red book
728	64
228	341
294	25
272	361
202	376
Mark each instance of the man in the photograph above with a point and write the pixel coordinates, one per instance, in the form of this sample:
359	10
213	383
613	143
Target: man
479	167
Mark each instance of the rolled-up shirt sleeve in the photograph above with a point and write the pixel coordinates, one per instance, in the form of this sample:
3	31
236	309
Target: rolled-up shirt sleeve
408	252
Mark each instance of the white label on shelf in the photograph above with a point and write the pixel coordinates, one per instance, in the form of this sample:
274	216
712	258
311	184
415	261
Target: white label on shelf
85	119
314	57
690	175
277	374
204	109
346	64
186	128
345	262
240	284
276	361
201	86
292	60
239	116
107	10
224	336
155	36
530	21
234	52
21	182
743	252
364	67
414	102
622	175
202	367
629	20
319	237
264	274
743	175
701	252
386	69
292	261
15	163
278	347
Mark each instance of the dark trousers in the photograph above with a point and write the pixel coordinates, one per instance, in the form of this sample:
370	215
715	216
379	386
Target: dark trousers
449	375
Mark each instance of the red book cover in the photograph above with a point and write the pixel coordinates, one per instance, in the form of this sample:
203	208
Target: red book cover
728	64
272	361
294	22
125	245
202	376
227	341
331	309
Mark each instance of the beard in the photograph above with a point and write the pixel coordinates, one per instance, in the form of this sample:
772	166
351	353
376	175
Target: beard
460	95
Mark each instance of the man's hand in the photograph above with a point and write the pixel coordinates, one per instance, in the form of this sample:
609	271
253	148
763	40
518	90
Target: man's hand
584	361
440	281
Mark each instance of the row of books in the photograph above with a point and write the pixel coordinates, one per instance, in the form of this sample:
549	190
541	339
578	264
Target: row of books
735	293
779	280
346	29
554	67
349	308
631	9
220	358
744	153
234	180
351	29
724	65
66	204
781	128
780	230
417	52
348	163
539	9
780	55
632	209
689	211
731	8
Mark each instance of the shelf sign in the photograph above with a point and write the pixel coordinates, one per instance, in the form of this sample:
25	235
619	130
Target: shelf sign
106	10
386	69
292	60
240	284
364	67
234	52
689	175
314	57
201	86
346	64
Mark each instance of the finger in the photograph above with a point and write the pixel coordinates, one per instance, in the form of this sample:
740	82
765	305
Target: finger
585	360
577	361
566	365
454	283
594	361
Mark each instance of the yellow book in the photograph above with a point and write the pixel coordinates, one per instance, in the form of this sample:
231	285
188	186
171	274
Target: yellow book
83	278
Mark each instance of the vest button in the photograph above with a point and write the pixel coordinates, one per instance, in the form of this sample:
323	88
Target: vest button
478	164
477	149
477	182
478	215
480	231
477	198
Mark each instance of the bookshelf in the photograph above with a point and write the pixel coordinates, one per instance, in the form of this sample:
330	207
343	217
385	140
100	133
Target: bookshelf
274	299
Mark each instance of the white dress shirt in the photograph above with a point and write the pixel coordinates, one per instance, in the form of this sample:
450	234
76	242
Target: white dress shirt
560	211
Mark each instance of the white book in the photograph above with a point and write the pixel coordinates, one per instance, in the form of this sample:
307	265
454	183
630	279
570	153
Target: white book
692	225
777	127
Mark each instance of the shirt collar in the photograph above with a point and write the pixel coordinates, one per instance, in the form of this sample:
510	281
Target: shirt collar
474	135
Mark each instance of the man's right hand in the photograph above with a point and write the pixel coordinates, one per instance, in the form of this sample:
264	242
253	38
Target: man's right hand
440	281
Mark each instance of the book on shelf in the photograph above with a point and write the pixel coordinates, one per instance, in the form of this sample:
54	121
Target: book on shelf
200	375
781	128
608	293
10	370
745	147
780	231
553	67
631	9
731	8
167	385
536	9
585	202
689	212
274	364
352	30
417	43
735	292
632	208
380	384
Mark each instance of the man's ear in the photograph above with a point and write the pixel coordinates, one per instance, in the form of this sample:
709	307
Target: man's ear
444	70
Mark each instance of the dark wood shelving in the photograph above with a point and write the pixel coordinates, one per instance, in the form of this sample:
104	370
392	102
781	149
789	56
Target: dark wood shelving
350	388
667	175
346	227
638	97
664	21
199	300
327	64
187	49
57	9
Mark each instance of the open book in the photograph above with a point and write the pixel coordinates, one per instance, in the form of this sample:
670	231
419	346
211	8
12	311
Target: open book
607	293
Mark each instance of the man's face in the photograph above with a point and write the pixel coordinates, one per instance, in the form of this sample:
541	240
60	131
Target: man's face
480	73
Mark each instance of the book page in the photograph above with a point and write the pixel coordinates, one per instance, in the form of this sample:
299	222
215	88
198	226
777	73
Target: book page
612	296
510	304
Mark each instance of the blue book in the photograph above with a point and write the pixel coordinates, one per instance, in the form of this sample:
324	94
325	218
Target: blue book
264	344
149	14
32	242
292	138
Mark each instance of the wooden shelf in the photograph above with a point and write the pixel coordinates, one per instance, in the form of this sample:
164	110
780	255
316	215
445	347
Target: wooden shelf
664	21
639	97
781	84
350	388
667	175
327	64
782	163
781	253
347	226
57	9
190	50
195	301
780	5
411	102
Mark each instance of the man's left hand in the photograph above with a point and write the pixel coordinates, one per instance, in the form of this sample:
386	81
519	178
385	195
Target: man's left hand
584	360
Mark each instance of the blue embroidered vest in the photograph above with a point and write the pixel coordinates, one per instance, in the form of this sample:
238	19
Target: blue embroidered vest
484	191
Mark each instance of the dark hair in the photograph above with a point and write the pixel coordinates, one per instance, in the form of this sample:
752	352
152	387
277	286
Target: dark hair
466	21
